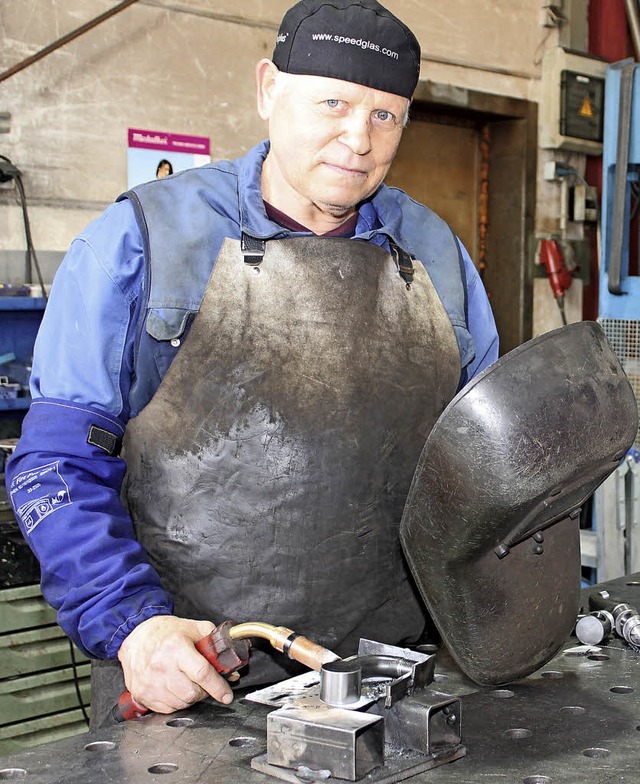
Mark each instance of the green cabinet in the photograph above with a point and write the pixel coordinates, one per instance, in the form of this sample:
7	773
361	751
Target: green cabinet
39	686
42	683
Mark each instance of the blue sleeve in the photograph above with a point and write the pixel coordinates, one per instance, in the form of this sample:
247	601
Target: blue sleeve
64	479
84	348
480	321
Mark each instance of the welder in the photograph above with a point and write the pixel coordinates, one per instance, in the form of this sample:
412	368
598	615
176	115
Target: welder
235	375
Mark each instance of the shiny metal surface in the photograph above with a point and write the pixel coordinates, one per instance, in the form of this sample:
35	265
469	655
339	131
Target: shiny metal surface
340	687
576	720
346	744
341	681
594	628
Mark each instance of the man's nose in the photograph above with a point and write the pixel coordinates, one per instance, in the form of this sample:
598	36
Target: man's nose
356	133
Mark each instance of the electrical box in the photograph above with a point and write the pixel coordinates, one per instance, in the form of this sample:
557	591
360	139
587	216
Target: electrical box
572	101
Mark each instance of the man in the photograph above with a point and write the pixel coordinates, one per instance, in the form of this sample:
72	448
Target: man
266	474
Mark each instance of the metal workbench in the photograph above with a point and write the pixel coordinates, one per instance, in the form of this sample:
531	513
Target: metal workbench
576	720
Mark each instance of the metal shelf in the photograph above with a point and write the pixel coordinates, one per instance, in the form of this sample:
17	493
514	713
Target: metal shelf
15	403
22	303
20	319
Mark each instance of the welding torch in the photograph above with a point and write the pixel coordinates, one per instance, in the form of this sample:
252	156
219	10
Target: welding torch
227	649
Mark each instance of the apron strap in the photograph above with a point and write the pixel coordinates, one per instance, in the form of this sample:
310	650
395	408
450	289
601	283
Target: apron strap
404	263
252	249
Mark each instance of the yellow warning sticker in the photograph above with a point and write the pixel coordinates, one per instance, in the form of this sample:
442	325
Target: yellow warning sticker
586	109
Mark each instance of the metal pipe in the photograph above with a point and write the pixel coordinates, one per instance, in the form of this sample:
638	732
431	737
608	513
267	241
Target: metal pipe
294	645
594	628
633	17
341	681
65	39
372	665
626	619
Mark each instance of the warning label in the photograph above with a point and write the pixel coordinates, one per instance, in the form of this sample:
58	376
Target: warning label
585	109
582	108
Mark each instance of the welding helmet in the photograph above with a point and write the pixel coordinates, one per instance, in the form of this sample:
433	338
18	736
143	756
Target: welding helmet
491	526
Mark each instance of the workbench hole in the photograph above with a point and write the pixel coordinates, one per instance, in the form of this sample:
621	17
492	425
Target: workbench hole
574	710
100	745
598	657
246	741
596	752
634	582
537	780
163	767
502	694
12	773
515	733
181	721
552	674
622	689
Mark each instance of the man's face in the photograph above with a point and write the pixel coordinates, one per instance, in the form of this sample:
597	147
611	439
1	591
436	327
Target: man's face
332	143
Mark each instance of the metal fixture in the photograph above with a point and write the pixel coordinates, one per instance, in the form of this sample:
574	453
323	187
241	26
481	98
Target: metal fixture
609	615
594	628
372	715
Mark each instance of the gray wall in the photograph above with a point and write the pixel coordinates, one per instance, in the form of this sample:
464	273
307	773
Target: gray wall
188	67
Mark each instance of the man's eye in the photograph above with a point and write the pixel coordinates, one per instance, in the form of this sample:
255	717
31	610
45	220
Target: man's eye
333	103
384	116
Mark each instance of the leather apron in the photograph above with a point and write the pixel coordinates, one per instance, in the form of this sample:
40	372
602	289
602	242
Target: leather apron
268	474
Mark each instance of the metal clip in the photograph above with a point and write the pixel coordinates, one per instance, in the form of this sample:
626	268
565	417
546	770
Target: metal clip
404	264
252	249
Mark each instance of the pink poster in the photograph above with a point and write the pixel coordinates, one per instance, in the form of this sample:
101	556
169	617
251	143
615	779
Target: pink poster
156	154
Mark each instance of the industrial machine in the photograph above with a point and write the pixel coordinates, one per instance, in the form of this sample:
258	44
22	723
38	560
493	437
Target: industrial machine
614	544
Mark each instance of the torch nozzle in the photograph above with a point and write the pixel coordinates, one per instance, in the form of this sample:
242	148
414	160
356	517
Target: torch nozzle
295	646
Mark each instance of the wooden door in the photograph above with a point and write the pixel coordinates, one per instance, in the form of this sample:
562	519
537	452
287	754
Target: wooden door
438	164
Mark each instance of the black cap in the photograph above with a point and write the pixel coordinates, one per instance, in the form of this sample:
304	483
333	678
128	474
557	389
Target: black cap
354	40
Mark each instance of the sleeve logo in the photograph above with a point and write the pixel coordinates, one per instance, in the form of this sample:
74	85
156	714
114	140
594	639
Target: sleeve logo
37	493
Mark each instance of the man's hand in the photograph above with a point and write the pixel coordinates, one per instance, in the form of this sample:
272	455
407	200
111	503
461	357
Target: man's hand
162	668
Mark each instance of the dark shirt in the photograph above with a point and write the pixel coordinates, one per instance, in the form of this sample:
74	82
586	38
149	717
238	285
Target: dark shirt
347	229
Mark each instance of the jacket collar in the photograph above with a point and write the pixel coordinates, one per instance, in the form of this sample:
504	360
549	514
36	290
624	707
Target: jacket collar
253	216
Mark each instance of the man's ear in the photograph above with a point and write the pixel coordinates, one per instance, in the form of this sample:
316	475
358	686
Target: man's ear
265	82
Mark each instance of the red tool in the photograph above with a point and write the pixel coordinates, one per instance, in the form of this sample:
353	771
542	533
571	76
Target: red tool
560	278
221	651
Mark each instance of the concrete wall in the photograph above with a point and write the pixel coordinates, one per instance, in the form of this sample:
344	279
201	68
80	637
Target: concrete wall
187	67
